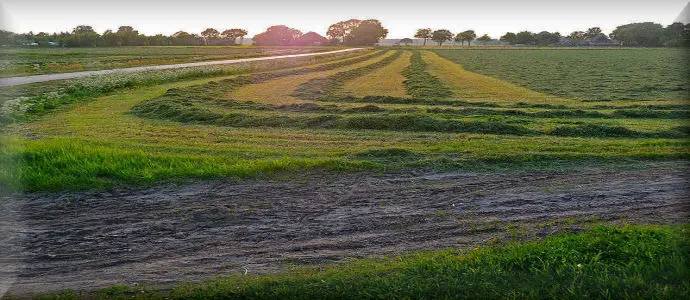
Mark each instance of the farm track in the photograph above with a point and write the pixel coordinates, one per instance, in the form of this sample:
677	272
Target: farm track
13	81
171	233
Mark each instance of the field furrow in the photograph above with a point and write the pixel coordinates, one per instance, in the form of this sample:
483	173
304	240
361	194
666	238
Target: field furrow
387	81
280	90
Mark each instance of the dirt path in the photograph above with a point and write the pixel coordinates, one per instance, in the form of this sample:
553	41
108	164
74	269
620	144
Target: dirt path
11	81
172	233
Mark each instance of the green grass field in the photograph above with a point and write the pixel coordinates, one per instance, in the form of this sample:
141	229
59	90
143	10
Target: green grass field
589	75
269	118
632	262
383	110
23	62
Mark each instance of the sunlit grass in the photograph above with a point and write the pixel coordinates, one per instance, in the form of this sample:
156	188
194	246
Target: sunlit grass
279	91
101	143
470	86
387	81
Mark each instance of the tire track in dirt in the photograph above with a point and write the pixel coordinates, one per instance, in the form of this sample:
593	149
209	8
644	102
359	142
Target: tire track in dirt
171	233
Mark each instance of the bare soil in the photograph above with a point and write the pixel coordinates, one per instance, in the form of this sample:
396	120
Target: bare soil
172	233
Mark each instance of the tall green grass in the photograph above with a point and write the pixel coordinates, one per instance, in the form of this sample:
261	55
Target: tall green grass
71	164
603	262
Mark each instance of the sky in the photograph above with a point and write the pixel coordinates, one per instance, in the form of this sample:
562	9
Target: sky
401	17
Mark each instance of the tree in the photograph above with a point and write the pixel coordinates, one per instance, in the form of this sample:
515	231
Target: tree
525	38
578	35
6	38
424	33
339	31
593	32
546	38
441	36
109	38
484	38
467	35
233	34
159	40
406	41
279	35
509	38
673	35
646	34
210	34
127	36
182	38
367	33
460	38
83	36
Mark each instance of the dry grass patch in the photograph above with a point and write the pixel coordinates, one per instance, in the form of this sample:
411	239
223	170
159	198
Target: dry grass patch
278	91
387	81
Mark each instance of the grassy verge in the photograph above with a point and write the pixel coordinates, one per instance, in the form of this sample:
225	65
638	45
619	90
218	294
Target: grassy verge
629	262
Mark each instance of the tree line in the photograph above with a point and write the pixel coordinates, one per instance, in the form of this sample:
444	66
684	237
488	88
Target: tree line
86	36
354	32
645	34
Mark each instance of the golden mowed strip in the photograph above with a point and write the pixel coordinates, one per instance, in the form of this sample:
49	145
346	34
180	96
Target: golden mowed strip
278	91
387	81
470	86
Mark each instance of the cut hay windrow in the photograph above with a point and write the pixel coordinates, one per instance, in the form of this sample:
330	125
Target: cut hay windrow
330	86
420	83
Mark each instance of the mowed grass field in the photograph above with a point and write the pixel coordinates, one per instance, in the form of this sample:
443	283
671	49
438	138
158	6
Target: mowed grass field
385	110
23	62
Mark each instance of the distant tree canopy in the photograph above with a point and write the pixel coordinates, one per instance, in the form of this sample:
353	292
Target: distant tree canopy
83	36
368	33
441	36
424	33
578	35
525	38
509	38
279	35
650	34
340	30
233	34
406	41
210	35
484	38
467	35
355	32
546	38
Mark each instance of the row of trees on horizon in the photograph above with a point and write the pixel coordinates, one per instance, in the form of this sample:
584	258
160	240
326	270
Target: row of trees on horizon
645	34
354	32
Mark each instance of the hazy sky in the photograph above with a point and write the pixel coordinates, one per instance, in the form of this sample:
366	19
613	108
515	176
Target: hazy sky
401	17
